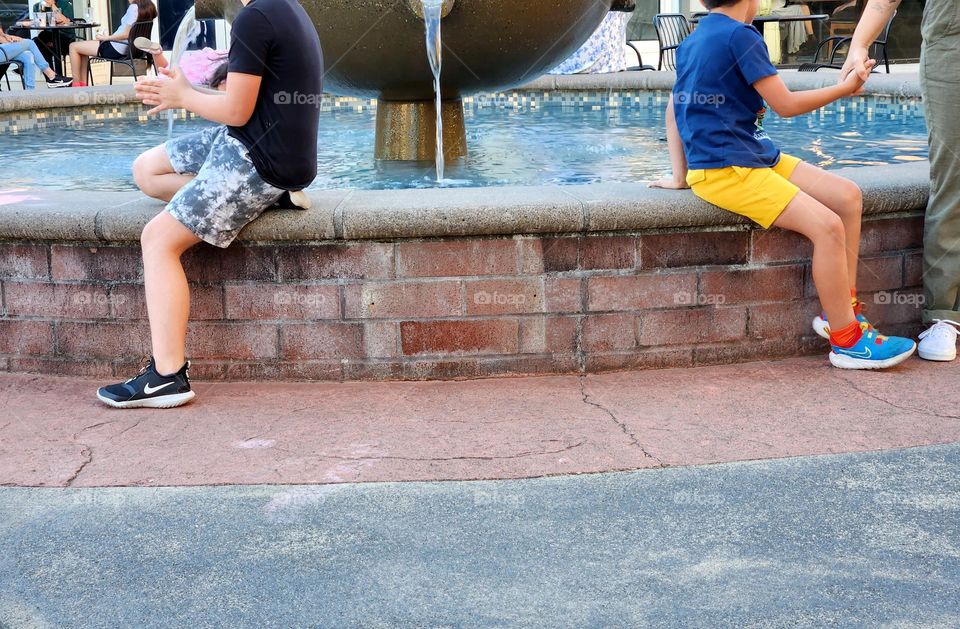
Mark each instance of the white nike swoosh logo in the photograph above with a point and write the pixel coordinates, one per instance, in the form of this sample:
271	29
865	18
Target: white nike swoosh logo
866	353
150	390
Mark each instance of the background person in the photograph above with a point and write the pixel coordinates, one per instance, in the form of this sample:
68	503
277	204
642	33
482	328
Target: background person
47	41
605	51
941	93
109	46
13	48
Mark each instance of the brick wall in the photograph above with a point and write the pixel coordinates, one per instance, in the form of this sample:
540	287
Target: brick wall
469	307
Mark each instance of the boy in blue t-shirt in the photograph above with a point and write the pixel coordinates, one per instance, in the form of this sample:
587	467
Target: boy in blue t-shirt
718	147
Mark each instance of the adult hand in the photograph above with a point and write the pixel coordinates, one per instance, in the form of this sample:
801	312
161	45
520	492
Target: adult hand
163	93
854	81
102	38
856	63
669	183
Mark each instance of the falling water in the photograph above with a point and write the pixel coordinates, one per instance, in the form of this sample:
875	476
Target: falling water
432	14
187	33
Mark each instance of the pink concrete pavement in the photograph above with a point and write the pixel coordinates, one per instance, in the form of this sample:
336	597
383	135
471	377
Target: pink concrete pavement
54	433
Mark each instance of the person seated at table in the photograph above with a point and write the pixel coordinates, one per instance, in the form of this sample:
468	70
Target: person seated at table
49	41
199	66
25	52
110	46
799	34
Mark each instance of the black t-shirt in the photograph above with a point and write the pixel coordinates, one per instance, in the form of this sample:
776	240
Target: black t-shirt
275	40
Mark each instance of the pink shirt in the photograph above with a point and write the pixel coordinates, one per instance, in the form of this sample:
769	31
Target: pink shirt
199	65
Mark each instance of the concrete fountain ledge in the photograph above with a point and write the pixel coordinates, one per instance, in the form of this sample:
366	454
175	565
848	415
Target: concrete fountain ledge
444	283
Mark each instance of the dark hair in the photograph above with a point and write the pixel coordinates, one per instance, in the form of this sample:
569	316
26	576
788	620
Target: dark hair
713	4
219	75
146	11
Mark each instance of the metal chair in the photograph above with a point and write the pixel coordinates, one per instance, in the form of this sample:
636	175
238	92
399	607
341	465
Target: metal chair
672	29
4	66
838	42
134	54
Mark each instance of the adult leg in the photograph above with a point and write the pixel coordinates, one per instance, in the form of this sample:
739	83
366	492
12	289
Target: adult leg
825	230
843	198
164	240
80	51
28	69
44	42
155	175
941	243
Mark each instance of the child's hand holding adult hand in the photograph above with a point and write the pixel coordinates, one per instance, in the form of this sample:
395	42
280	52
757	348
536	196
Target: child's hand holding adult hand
163	92
854	82
857	63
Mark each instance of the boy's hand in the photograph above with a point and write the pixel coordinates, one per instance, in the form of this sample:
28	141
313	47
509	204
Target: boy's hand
854	82
856	63
670	183
163	93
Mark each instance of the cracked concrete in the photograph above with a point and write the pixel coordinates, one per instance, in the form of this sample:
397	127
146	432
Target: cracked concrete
488	429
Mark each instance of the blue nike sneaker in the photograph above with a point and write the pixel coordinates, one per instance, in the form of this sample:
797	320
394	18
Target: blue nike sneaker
873	351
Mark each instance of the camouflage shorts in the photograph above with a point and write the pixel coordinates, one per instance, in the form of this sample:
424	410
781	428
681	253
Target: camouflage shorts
227	192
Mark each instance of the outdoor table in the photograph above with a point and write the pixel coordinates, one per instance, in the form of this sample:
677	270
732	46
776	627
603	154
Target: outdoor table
761	20
72	26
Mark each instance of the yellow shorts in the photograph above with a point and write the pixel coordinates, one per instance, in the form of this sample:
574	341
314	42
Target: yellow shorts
760	194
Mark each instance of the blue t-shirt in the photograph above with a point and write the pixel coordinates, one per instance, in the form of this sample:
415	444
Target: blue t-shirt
719	112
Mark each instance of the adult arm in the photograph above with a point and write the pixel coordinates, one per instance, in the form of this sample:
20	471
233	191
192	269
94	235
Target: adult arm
875	18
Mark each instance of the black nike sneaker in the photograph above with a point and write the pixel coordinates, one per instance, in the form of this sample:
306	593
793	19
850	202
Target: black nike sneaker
148	389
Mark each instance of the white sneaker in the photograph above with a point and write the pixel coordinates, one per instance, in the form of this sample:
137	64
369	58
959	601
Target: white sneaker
940	341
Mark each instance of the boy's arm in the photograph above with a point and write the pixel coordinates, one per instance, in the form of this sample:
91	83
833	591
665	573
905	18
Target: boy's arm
875	17
678	159
788	104
232	108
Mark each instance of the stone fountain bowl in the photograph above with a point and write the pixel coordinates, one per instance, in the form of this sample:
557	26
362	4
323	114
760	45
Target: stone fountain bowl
377	49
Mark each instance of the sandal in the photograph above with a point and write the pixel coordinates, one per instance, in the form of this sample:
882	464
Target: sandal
144	44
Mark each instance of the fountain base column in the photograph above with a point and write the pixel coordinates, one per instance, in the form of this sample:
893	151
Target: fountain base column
406	131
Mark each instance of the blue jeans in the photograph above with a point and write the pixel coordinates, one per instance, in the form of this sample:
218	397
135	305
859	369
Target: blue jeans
27	54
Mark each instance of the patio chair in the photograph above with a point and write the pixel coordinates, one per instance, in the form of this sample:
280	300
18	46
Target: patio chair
6	77
672	29
879	50
134	55
640	28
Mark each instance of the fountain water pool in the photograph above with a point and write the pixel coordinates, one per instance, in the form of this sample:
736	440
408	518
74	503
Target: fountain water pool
519	138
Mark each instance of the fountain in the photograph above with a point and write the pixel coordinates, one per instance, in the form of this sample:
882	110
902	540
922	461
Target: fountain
377	49
187	33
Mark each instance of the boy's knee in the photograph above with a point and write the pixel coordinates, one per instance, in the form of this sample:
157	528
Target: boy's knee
831	227
144	174
851	199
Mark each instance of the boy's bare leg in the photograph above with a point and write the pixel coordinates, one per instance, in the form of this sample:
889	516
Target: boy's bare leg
164	240
825	230
155	175
844	198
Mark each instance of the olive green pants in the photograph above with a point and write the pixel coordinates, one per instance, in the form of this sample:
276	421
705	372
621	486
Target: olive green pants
940	76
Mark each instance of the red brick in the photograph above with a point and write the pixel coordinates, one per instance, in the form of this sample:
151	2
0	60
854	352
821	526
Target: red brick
606	333
282	301
688	326
491	297
880	273
364	260
69	262
891	234
792	319
322	340
240	261
779	283
647	359
759	350
608	252
457	258
779	245
297	370
560	254
70	301
679	249
638	292
23	261
548	335
371	370
104	339
26	337
403	300
887	308
913	269
484	367
459	337
232	341
381	339
77	368
563	294
129	301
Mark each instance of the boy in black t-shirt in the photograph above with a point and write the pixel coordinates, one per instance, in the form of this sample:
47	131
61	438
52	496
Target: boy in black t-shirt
220	179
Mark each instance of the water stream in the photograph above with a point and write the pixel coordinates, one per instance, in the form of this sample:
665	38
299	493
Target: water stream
187	33
432	15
